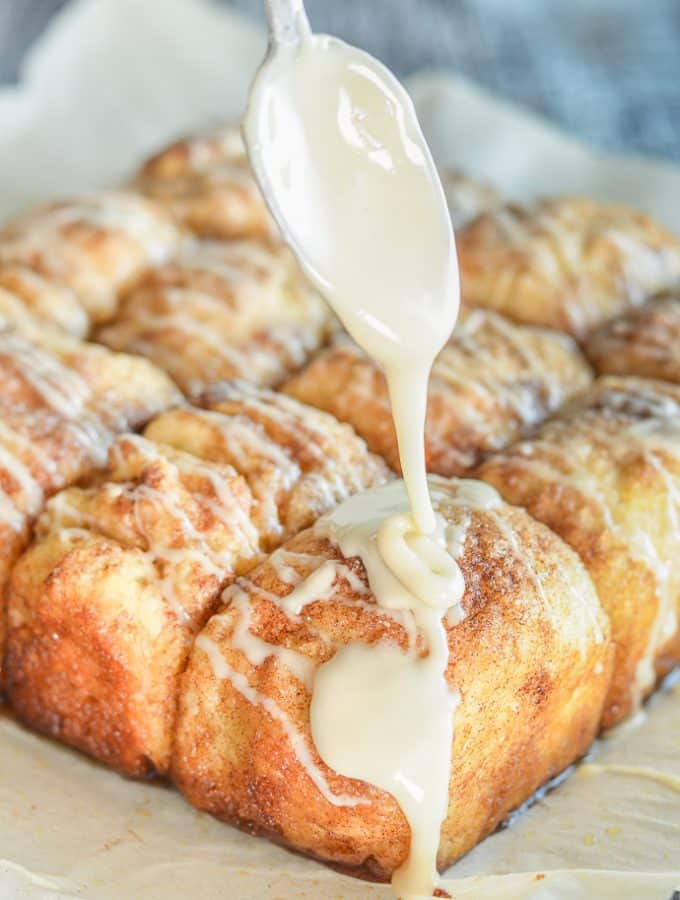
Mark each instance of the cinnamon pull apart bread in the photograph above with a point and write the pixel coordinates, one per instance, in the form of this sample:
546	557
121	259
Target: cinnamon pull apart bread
605	475
223	310
528	668
491	381
103	607
206	183
61	404
95	245
645	341
569	263
298	462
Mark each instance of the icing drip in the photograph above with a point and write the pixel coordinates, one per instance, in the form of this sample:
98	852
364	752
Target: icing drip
319	156
239	682
379	714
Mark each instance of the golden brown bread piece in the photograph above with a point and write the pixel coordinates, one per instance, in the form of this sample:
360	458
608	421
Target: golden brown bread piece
491	382
568	263
95	245
644	341
24	291
223	310
61	403
605	475
530	660
467	197
206	183
103	606
298	462
84	384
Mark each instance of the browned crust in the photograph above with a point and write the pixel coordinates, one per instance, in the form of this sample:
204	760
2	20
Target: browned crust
298	462
206	184
223	311
95	642
94	245
492	381
50	302
51	448
603	495
67	672
530	703
568	263
645	341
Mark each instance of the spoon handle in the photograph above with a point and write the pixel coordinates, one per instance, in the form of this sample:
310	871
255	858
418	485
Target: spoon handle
288	22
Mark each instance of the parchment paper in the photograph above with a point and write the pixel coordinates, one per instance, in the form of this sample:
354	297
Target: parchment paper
110	81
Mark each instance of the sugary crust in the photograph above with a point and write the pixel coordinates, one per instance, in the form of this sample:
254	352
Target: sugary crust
104	605
124	390
491	382
298	462
605	475
61	403
525	663
568	263
644	341
223	310
95	245
25	292
206	184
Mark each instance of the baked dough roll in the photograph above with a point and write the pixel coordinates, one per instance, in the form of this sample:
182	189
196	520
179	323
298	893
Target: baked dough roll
298	462
61	403
466	197
239	310
73	379
206	183
103	607
26	292
645	341
529	662
568	263
605	475
491	382
68	398
95	245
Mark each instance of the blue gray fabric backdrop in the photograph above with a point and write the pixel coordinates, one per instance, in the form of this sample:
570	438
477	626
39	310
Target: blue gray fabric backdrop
607	70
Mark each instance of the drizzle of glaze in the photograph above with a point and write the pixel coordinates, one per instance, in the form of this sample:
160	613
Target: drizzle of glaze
391	275
239	682
246	306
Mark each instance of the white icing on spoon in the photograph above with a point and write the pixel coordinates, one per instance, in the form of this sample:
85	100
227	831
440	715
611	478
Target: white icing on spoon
338	152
